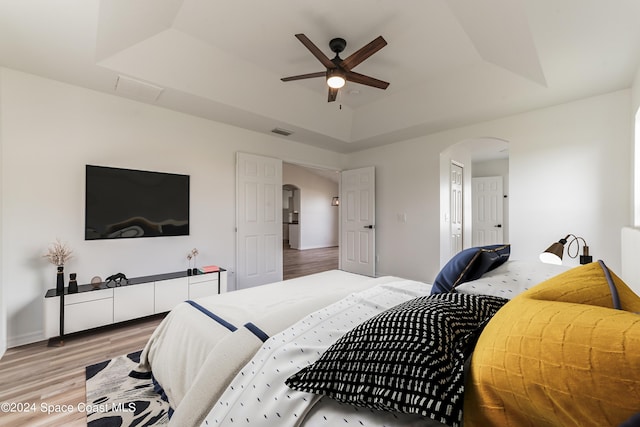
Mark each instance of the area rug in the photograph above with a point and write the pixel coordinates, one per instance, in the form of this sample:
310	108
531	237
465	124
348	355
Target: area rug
118	395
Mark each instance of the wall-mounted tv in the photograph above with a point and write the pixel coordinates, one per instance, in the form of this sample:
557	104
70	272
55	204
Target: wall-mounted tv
127	203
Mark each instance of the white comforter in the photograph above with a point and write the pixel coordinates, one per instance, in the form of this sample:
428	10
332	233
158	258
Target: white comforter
194	357
257	396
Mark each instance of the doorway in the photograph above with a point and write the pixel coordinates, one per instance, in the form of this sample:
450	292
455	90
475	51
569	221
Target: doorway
291	216
310	221
479	157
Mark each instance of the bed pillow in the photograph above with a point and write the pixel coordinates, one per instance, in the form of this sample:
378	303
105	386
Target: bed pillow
407	359
587	284
511	278
469	264
559	354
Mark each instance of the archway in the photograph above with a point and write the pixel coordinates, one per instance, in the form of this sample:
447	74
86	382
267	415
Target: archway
477	157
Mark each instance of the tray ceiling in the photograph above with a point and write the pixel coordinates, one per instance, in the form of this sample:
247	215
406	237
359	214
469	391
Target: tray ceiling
450	63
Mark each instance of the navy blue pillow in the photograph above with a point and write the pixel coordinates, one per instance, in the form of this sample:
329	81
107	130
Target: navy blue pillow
469	264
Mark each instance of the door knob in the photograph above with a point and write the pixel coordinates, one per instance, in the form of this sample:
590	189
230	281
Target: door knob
368	226
498	226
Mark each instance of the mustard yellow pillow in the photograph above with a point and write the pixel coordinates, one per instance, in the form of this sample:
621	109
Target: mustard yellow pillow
558	355
586	284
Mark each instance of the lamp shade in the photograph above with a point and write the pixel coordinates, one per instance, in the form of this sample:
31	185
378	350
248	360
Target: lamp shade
553	254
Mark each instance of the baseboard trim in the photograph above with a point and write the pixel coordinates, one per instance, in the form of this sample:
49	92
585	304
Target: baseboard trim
25	339
305	248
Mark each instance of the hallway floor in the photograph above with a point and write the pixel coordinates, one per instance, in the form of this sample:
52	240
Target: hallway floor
298	263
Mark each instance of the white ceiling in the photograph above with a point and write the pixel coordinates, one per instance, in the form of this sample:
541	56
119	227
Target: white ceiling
449	62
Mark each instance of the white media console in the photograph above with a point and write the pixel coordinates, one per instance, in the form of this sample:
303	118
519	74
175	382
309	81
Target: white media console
143	296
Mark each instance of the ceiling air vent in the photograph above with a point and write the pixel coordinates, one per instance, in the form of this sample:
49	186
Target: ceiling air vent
281	131
136	89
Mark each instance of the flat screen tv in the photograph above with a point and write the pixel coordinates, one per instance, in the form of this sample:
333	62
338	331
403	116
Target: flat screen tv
127	203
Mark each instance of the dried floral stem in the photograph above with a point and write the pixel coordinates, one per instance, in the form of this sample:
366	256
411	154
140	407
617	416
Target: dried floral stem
58	253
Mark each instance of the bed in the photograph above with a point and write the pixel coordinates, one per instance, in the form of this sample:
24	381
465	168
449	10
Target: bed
200	346
282	354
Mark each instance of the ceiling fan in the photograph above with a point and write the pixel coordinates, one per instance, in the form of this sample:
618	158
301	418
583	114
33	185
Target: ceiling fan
338	69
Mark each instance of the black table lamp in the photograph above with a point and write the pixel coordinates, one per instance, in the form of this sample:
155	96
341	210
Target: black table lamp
553	254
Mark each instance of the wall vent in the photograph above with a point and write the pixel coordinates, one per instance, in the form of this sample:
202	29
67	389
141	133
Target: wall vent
281	131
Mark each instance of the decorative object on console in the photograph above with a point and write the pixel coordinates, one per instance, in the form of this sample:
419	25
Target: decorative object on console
209	269
60	280
553	254
335	201
73	283
58	254
96	282
194	254
117	280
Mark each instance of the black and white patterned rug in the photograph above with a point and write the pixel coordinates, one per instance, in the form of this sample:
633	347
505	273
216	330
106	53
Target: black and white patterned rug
118	395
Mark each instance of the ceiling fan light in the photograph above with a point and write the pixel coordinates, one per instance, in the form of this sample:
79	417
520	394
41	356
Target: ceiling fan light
335	78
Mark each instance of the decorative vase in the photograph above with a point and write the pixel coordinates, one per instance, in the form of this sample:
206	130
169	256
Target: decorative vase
194	272
73	283
60	280
189	271
96	282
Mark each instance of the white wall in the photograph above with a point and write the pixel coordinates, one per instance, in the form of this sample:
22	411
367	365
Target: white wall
50	130
569	172
318	219
3	309
635	159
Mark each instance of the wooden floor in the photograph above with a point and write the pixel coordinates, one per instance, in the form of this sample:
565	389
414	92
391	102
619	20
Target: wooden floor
302	263
37	374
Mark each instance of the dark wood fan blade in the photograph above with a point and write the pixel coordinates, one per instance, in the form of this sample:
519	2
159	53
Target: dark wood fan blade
333	93
315	51
363	53
305	76
366	80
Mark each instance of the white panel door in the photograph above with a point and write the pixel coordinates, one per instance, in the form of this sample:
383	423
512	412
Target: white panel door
259	220
457	208
487	211
357	212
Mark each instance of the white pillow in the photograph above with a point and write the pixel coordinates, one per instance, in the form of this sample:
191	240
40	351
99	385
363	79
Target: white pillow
511	278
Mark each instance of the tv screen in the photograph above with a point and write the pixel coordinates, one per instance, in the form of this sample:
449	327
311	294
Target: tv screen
126	203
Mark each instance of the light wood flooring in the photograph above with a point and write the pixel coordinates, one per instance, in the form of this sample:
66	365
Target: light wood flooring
39	374
302	263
